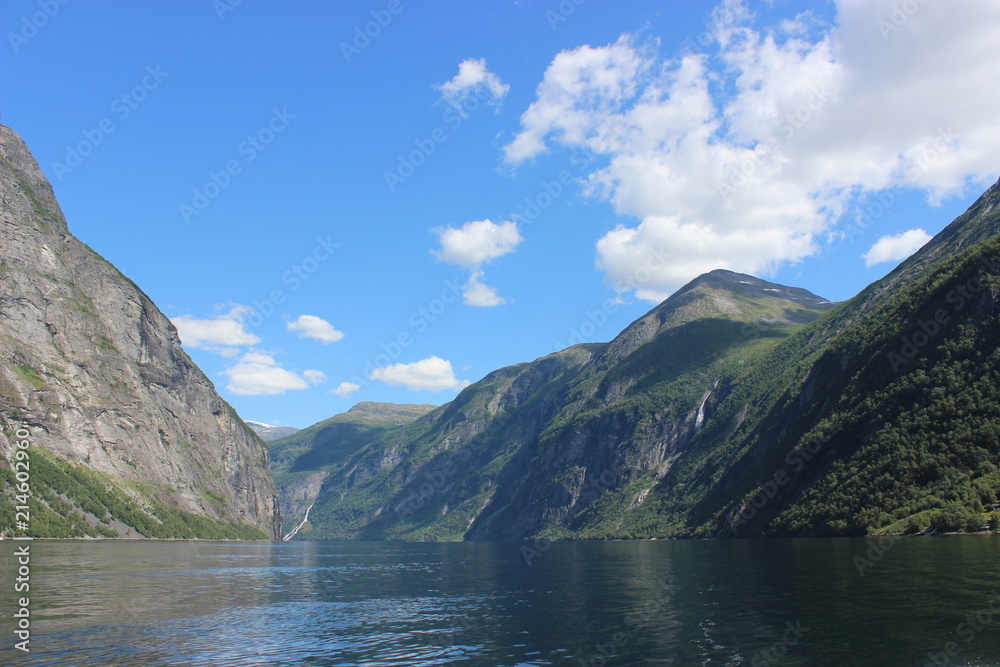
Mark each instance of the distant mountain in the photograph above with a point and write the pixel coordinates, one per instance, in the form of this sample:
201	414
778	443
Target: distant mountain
268	433
127	437
737	407
300	462
530	446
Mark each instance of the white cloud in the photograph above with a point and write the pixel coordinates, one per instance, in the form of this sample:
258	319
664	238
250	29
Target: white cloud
896	247
473	77
314	377
430	374
471	246
258	374
479	294
210	334
747	157
345	389
476	243
310	326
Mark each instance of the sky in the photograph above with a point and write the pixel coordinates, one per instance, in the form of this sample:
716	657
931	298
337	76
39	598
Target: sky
338	202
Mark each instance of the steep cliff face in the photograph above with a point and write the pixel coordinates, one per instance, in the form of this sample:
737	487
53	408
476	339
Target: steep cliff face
96	374
882	415
736	407
301	461
530	448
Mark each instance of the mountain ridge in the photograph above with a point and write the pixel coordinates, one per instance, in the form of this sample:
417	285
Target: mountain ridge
267	432
301	461
521	422
129	437
672	428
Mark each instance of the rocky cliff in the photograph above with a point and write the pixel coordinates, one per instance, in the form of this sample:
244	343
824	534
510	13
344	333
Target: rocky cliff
116	410
301	461
530	448
736	407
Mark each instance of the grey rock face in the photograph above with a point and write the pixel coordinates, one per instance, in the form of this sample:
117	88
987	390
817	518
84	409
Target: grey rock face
96	373
529	449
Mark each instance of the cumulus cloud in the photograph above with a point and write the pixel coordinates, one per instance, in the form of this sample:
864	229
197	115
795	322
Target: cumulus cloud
314	377
896	247
747	157
479	294
217	333
476	243
258	374
473	78
316	328
430	374
345	389
473	245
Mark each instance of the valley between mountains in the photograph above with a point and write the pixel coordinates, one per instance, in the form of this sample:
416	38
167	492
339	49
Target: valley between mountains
735	408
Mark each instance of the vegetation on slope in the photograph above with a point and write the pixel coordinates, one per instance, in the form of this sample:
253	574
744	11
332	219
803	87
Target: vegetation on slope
841	430
73	500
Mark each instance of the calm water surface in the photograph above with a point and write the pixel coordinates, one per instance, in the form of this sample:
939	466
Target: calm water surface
762	602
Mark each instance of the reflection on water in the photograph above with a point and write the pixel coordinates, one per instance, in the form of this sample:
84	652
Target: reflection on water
789	602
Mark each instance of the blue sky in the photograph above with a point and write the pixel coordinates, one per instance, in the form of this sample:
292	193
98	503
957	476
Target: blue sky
386	200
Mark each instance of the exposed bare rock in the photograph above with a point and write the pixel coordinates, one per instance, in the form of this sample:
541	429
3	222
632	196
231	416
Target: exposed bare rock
96	373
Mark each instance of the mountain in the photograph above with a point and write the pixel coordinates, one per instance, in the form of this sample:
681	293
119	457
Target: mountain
300	462
530	446
884	415
268	433
127	436
735	408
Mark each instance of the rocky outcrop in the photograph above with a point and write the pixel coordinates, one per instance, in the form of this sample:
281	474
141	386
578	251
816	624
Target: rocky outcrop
528	449
96	374
301	461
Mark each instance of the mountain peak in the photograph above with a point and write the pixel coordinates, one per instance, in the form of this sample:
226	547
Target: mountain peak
96	374
32	202
721	294
756	287
377	408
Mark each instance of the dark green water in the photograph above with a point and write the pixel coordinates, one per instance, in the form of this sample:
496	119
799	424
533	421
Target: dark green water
787	602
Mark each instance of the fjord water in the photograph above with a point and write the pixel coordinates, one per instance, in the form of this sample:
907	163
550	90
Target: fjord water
746	602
